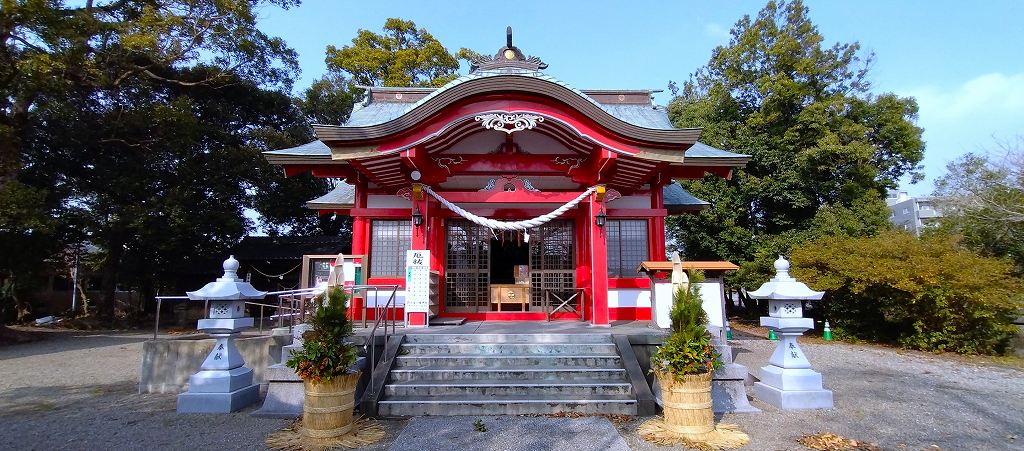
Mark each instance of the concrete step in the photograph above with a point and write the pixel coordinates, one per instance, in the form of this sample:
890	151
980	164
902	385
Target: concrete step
509	348
509	405
447	321
279	372
510	373
502	361
508	338
526	389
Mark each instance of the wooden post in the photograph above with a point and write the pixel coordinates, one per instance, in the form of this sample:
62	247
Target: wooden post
679	277
337	275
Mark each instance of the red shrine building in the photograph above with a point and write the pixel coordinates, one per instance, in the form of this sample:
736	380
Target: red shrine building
427	168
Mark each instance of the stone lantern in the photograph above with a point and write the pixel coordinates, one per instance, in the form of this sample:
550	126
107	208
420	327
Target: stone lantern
223	384
788	382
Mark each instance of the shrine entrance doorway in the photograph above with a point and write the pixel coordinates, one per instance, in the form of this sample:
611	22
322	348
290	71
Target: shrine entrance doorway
481	269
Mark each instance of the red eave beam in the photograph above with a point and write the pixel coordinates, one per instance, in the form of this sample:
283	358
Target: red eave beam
417	159
596	168
509	196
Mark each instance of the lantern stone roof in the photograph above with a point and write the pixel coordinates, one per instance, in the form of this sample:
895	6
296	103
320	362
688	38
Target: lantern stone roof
784	286
228	287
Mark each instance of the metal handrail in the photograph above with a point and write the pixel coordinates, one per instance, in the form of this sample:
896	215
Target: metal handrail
281	295
380	314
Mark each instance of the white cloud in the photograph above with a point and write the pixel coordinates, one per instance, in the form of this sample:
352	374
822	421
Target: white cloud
969	117
716	31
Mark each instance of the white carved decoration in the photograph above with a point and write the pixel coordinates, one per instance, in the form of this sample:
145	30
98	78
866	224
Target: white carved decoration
611	195
573	163
445	161
509	122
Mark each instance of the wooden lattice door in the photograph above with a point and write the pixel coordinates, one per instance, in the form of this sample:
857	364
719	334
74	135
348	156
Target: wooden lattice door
552	261
467	267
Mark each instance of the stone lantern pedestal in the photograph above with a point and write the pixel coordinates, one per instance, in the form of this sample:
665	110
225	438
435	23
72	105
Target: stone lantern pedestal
223	384
788	382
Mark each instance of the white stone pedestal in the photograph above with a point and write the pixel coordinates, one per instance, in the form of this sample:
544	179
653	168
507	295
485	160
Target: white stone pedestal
728	384
285	390
222	384
788	382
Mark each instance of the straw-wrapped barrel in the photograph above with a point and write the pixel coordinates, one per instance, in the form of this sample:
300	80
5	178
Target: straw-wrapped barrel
327	409
687	403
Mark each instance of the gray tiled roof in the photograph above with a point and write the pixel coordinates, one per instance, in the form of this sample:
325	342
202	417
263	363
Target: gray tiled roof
315	148
701	150
342	196
318	148
376	113
677	199
647	116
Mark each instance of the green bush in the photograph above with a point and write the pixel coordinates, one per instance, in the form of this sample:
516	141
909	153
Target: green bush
688	349
325	352
930	294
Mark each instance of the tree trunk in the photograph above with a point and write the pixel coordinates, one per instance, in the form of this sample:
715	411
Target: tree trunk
111	265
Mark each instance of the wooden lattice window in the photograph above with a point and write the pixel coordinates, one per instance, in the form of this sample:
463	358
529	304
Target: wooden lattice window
388	244
627	246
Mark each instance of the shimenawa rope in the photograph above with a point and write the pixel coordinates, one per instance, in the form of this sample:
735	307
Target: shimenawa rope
522	226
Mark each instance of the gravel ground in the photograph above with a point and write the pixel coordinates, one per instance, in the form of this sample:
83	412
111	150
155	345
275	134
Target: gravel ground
78	391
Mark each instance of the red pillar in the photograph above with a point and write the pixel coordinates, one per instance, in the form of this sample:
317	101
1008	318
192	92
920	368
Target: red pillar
598	263
419	242
657	224
419	232
360	246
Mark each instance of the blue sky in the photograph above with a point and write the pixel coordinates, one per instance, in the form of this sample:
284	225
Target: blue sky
963	61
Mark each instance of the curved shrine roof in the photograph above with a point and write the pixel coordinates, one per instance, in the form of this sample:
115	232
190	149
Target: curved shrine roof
378	108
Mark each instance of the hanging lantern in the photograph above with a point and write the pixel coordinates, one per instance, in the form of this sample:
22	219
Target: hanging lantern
417	217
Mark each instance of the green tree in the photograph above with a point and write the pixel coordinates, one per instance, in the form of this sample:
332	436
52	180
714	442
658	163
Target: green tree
982	200
118	116
48	48
824	149
402	55
160	182
930	294
328	100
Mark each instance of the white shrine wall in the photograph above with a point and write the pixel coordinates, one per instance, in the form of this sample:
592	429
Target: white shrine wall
711	292
382	298
632	202
387	201
629	297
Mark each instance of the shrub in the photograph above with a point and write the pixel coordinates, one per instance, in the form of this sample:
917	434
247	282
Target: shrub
326	353
929	294
688	349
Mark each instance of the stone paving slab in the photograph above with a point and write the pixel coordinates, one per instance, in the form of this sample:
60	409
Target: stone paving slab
510	433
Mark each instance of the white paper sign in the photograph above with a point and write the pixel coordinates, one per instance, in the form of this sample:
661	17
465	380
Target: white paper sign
417	281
